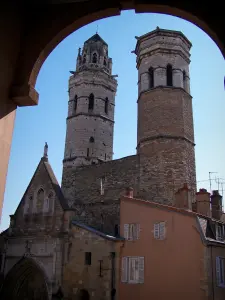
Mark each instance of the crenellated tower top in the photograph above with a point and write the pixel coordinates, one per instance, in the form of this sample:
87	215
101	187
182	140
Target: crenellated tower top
94	55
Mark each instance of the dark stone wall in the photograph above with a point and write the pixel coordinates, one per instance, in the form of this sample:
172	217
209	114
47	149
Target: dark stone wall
82	188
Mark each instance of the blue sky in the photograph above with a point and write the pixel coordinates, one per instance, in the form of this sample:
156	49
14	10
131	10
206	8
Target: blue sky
47	121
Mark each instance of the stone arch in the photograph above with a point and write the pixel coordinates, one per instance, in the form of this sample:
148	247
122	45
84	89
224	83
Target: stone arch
40	200
67	21
26	280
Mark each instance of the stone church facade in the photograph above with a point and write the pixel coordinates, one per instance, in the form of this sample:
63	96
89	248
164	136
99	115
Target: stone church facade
54	225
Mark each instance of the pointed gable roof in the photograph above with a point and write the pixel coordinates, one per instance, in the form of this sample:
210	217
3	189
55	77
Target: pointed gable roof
96	38
55	185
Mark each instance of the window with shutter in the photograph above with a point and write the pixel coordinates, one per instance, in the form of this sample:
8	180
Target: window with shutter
138	231
131	231
162	230
126	231
156	231
219	232
124	269
220	271
141	269
132	269
159	230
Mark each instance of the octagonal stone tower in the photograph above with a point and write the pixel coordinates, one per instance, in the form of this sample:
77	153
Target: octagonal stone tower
90	121
165	138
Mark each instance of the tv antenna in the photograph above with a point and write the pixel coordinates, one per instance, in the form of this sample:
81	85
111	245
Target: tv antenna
210	180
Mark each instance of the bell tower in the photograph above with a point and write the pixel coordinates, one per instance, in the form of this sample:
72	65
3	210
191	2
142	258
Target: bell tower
165	138
90	121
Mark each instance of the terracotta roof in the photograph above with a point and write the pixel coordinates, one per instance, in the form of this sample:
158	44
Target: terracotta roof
169	207
103	235
205	223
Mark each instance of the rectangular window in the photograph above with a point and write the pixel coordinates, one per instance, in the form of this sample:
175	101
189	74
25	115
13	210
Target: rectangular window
159	230
102	182
132	269
88	258
131	231
219	232
220	271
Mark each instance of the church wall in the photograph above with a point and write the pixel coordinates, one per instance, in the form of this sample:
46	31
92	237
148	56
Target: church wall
96	207
30	215
95	278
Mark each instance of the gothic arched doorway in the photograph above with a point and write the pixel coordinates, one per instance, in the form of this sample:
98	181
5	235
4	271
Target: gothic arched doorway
25	281
84	295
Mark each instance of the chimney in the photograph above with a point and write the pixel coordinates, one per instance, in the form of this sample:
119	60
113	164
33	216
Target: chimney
216	205
183	198
203	203
129	192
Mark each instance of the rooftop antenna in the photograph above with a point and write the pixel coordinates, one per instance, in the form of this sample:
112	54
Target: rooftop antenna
217	180
97	29
210	182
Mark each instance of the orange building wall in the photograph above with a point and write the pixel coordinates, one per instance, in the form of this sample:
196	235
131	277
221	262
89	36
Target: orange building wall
174	267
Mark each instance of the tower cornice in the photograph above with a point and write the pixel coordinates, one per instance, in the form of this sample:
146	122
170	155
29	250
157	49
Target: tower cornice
90	115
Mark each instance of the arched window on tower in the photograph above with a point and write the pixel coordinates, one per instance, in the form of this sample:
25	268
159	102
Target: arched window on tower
91	102
84	59
91	140
75	104
94	58
151	78
169	75
104	62
106	105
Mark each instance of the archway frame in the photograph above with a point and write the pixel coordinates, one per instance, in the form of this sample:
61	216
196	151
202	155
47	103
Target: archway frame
72	17
20	271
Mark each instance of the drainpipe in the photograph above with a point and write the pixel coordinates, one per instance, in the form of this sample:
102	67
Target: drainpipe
113	290
212	274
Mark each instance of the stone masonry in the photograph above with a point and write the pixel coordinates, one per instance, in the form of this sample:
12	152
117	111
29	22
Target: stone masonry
94	191
165	157
165	140
90	121
97	277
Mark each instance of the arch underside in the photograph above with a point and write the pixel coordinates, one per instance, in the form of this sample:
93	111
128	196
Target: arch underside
70	17
25	281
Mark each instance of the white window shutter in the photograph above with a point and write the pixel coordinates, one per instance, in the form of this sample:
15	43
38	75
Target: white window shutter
132	232
138	231
126	231
218	274
156	230
162	230
141	269
124	269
